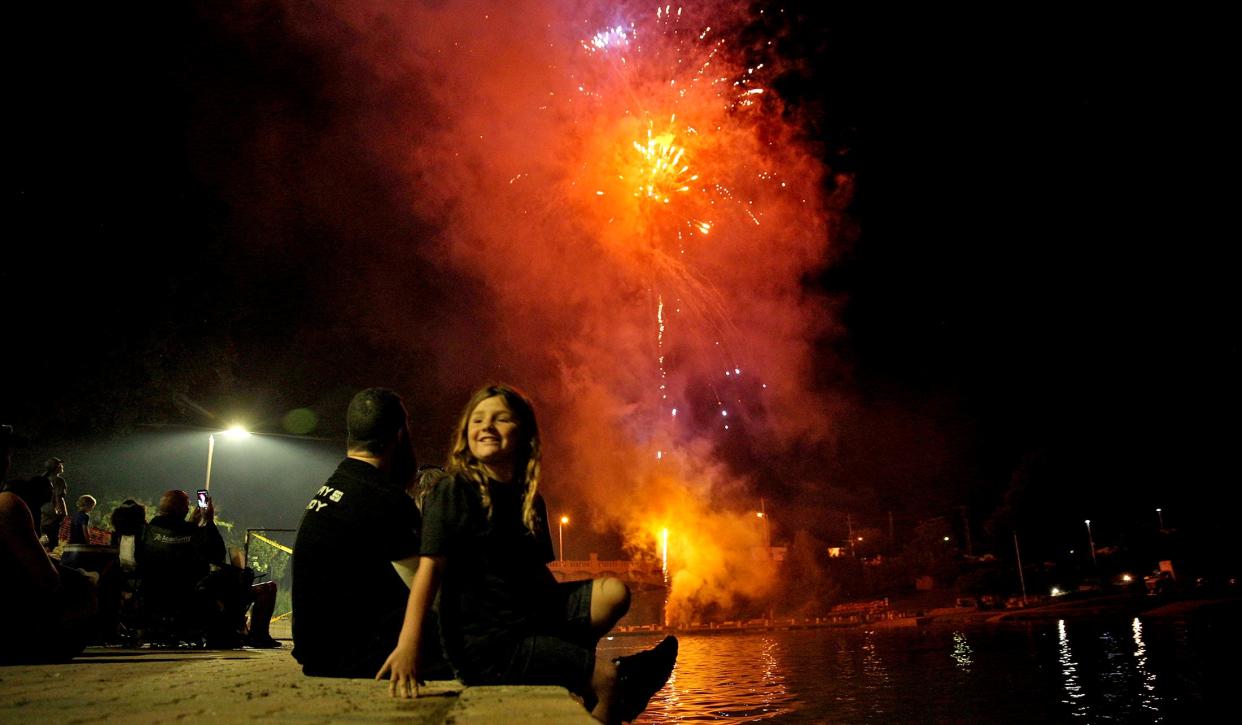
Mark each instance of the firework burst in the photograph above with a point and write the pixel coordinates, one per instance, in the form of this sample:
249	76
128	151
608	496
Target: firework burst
672	147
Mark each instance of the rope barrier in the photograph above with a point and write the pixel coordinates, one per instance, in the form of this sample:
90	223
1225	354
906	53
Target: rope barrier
276	544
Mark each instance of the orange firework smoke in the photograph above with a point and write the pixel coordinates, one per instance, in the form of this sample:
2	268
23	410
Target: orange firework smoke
639	218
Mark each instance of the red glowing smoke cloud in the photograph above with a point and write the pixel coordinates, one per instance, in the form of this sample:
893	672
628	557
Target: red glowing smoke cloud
638	219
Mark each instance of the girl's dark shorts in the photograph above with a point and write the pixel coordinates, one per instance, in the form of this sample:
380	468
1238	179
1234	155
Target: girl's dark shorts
563	653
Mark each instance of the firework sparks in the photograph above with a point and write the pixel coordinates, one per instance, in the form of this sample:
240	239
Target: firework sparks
656	202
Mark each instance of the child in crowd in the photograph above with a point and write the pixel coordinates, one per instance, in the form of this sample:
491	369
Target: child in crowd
82	520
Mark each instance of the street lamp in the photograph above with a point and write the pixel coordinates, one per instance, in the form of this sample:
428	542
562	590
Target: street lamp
767	532
235	432
1160	518
1091	543
560	532
762	514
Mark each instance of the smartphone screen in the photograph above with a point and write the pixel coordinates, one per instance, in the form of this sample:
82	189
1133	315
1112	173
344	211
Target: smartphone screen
202	498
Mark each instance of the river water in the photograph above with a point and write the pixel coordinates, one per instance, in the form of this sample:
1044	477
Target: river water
1114	670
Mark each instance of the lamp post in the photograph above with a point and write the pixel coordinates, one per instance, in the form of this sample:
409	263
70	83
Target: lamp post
236	432
1021	577
1091	543
211	450
560	532
1160	518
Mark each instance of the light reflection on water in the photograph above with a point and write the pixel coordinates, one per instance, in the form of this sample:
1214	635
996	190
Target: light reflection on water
1069	672
961	651
1147	696
1123	670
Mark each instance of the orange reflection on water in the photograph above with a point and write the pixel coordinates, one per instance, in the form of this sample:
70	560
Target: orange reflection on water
720	677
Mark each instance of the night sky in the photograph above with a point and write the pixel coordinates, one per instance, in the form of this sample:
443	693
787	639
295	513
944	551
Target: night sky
1028	285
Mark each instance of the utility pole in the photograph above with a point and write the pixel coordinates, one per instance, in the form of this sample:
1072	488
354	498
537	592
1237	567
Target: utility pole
1091	545
1021	576
970	549
849	528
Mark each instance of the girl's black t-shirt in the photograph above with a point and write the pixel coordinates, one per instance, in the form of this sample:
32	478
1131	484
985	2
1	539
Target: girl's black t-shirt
496	588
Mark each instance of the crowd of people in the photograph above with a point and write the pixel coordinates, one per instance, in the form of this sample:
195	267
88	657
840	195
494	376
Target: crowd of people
167	582
400	572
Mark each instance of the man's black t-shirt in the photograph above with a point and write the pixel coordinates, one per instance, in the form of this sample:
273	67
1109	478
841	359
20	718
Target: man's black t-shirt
348	601
497	588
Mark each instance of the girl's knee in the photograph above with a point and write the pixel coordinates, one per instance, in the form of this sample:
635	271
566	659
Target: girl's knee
615	594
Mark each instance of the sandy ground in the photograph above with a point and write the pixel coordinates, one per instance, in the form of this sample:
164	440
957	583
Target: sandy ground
150	685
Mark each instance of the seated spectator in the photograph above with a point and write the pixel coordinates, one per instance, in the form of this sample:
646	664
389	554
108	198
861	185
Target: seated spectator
33	492
174	558
46	610
249	606
129	520
232	595
82	520
427	477
504	619
258	623
357	550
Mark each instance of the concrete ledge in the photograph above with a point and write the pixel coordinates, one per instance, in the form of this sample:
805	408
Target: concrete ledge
151	685
512	703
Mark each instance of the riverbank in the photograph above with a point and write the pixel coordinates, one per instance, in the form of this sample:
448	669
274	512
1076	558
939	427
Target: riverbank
1070	608
107	684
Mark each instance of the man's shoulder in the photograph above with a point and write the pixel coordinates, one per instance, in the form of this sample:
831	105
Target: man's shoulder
167	535
12	506
351	473
355	494
169	525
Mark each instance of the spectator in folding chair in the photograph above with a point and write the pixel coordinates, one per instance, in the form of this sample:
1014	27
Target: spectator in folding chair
175	556
129	520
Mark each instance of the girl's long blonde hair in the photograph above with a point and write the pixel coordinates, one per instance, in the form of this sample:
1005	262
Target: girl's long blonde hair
527	461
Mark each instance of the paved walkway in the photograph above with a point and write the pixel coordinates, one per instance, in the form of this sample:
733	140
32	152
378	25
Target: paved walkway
148	686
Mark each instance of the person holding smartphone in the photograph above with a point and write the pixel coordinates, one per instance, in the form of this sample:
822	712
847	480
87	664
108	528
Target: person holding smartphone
176	554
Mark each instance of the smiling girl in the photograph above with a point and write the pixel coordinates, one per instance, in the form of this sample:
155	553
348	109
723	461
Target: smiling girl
504	619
